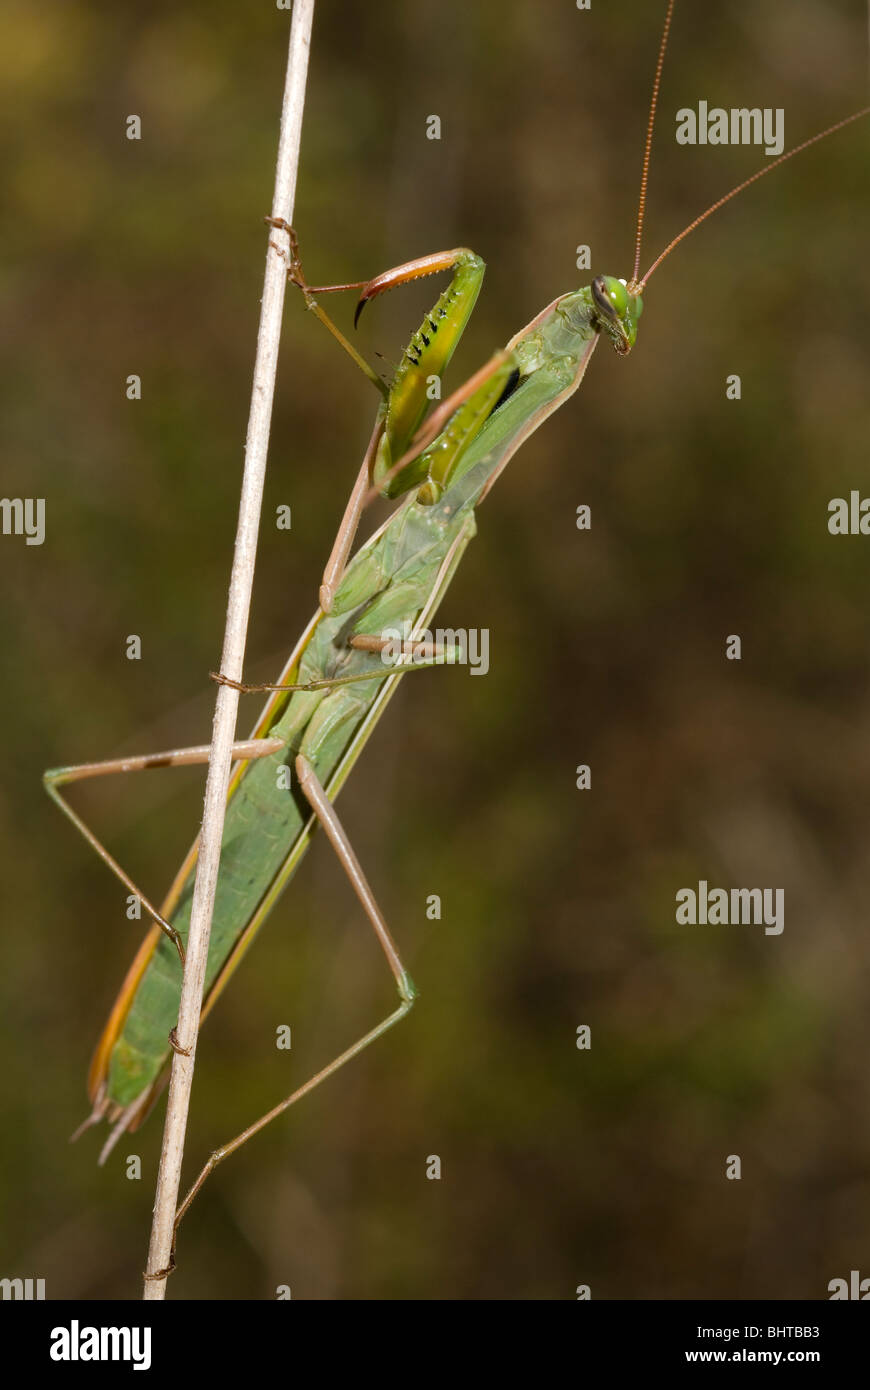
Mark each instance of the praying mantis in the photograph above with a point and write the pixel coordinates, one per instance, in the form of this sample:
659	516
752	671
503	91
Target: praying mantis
335	685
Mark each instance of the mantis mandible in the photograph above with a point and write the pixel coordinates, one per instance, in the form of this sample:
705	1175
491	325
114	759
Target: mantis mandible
338	681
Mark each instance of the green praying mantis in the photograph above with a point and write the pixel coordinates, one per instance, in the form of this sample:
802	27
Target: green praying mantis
347	664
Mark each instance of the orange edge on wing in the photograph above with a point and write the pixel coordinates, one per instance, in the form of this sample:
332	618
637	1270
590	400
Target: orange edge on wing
121	1007
98	1070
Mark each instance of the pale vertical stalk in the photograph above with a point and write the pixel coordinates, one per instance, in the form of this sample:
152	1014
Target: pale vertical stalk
238	608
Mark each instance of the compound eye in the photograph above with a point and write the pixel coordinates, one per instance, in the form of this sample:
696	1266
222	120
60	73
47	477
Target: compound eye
610	295
616	293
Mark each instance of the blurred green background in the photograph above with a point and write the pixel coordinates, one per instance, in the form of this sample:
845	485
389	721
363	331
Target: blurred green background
709	518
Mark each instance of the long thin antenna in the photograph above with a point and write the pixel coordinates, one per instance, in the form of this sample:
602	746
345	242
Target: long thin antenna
657	81
753	178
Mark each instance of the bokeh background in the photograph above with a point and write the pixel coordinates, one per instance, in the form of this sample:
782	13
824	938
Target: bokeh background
709	518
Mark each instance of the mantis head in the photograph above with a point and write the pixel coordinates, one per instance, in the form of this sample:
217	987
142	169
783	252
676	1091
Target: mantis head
619	307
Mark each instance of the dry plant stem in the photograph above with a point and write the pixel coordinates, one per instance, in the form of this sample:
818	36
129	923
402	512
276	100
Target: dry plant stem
238	607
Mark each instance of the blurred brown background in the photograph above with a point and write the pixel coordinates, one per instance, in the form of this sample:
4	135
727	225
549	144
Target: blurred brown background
709	518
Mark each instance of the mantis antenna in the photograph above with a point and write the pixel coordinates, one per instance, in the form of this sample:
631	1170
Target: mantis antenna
647	149
635	285
753	178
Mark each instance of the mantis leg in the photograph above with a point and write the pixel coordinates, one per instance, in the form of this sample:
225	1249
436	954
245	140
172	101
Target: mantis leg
337	836
424	654
393	458
296	277
343	544
56	777
430	348
433	456
428	353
